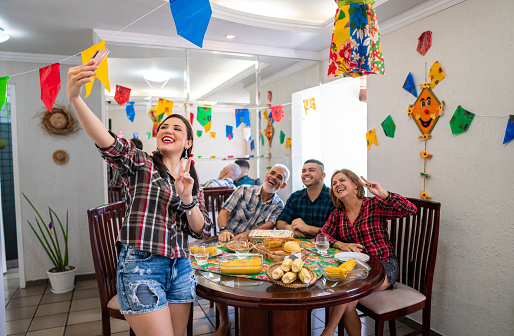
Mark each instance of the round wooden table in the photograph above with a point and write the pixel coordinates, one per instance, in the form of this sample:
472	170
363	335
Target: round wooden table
265	308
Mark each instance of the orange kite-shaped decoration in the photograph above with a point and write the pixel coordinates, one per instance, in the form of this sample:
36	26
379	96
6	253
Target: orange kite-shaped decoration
426	110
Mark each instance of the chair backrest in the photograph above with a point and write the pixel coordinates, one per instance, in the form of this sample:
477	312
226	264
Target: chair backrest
257	181
214	199
114	194
415	240
104	226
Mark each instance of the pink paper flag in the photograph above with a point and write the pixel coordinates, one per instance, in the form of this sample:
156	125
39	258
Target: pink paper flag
277	113
50	80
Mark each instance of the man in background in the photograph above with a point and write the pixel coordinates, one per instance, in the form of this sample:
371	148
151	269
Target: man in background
243	177
307	210
226	178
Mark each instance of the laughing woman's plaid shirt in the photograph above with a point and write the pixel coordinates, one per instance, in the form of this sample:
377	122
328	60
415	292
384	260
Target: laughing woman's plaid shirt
370	226
154	220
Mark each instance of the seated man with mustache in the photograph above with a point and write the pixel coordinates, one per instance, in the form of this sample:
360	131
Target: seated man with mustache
249	208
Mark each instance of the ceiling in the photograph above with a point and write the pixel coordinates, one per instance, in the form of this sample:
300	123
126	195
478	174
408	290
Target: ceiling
287	34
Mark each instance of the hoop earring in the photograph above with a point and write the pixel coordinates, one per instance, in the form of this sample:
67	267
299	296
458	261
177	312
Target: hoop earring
186	154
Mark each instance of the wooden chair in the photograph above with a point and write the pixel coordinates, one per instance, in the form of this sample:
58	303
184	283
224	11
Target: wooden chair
114	194
214	199
415	242
104	225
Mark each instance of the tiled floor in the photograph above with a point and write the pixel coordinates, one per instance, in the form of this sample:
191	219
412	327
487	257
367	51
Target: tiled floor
36	311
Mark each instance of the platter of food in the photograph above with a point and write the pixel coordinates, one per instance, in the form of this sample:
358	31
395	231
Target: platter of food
348	271
231	246
259	235
276	250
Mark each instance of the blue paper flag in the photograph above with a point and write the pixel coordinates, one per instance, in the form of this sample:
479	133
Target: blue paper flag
409	85
509	132
242	116
230	132
135	135
252	145
129	108
191	19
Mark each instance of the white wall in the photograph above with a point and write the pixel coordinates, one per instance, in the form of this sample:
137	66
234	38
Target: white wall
204	146
75	186
472	173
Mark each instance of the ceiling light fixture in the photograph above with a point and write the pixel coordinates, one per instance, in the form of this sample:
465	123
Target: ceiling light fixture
4	36
230	36
157	76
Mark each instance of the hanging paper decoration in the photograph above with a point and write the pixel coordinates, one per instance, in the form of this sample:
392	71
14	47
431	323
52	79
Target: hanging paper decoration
282	137
3	92
266	114
213	135
269	132
203	115
509	131
149	135
371	137
50	81
247	134
262	139
252	145
461	120
277	113
355	50
121	134
135	135
436	74
129	109
242	116
164	106
191	117
410	86
198	133
424	42
289	141
270	96
155	120
309	104
389	126
102	73
191	19
426	110
230	132
122	94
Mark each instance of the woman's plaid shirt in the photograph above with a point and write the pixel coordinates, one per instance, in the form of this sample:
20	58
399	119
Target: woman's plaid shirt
154	220
370	226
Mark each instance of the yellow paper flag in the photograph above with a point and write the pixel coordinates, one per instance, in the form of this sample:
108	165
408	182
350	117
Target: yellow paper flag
436	74
308	104
102	72
207	126
288	142
213	134
371	137
164	106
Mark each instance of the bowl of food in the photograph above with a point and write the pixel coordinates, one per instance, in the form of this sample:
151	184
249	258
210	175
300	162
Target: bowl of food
350	270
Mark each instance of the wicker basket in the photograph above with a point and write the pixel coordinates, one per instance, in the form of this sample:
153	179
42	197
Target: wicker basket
264	250
296	284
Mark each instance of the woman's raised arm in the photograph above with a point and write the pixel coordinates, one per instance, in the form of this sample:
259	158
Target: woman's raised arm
78	76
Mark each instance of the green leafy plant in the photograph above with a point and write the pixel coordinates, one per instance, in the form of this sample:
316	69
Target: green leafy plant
48	237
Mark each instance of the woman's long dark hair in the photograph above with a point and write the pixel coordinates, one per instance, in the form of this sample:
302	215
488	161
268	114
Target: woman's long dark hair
157	157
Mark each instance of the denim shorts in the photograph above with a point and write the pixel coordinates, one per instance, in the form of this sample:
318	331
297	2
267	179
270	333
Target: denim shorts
391	269
147	282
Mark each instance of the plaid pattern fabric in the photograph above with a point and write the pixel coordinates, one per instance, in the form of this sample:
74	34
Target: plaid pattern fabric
244	180
226	182
155	220
370	227
247	210
299	205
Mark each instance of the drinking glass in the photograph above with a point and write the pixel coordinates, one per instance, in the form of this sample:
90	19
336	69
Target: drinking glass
201	254
242	246
322	243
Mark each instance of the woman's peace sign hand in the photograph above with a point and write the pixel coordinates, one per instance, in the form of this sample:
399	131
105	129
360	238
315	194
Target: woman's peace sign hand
374	188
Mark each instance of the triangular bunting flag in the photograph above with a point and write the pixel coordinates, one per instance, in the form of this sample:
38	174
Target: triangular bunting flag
50	81
102	73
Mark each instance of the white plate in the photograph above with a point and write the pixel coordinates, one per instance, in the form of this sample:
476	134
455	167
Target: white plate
219	252
343	256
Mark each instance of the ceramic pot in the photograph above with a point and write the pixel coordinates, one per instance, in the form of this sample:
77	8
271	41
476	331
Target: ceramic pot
62	282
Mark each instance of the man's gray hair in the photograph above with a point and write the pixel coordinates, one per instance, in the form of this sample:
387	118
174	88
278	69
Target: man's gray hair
235	170
279	165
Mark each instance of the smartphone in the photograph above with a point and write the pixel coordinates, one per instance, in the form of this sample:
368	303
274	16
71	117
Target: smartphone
99	56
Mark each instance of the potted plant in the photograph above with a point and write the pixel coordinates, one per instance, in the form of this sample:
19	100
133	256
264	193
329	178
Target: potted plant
61	276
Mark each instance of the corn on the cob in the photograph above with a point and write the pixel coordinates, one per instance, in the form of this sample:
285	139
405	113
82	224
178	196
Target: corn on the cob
277	273
348	265
341	275
286	265
289	277
333	269
297	265
304	275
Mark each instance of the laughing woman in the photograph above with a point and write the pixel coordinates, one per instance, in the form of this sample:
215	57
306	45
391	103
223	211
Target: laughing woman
359	224
164	205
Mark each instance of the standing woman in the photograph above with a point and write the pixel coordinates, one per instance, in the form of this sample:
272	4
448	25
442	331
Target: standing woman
359	224
164	205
